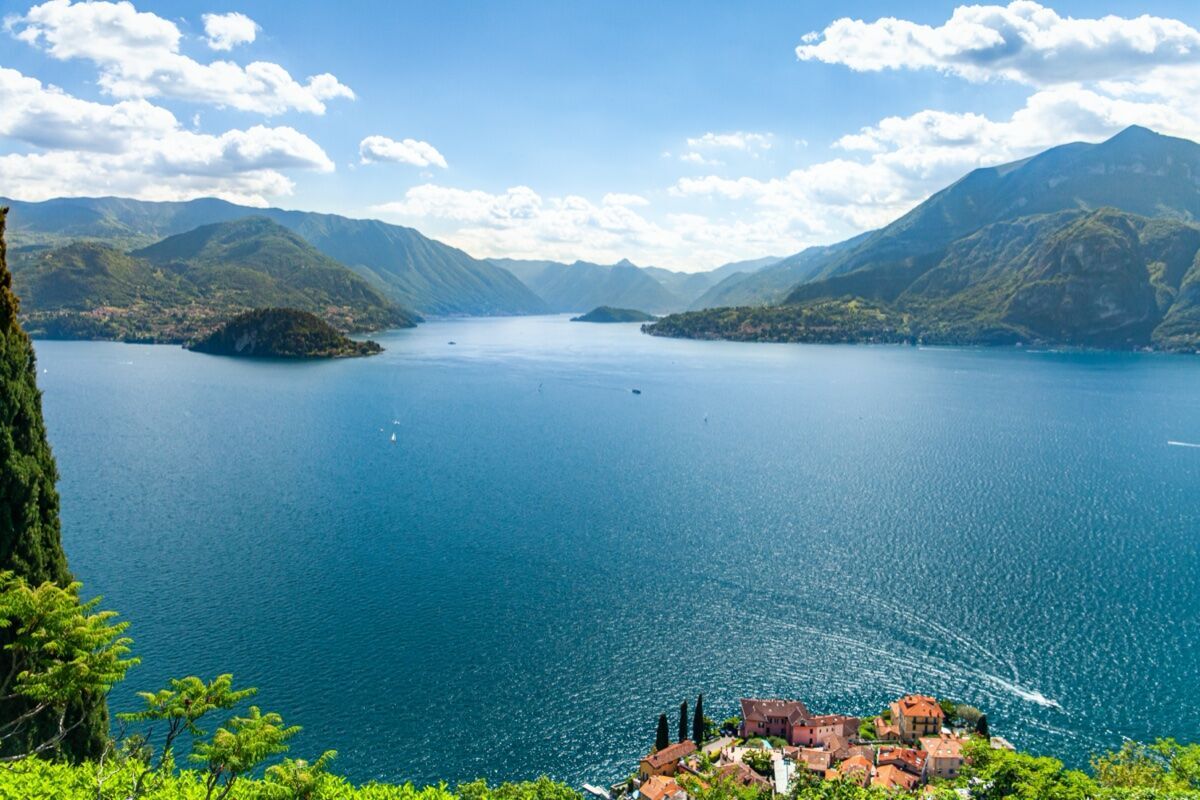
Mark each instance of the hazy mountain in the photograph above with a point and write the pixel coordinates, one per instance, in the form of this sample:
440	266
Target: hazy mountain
771	282
1083	244
563	285
185	284
583	285
411	269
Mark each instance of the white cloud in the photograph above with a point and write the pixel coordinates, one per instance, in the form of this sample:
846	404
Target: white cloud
1023	41
692	157
136	149
226	31
738	140
138	55
521	223
408	151
623	199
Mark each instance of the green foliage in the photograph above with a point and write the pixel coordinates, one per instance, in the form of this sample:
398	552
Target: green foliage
281	333
759	761
683	720
825	322
949	708
59	651
30	535
730	725
866	730
1165	765
235	750
302	780
981	727
36	779
30	540
182	704
967	715
722	787
662	738
699	722
995	774
541	789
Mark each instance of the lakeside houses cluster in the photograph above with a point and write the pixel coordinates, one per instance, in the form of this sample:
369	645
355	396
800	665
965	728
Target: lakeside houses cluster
912	745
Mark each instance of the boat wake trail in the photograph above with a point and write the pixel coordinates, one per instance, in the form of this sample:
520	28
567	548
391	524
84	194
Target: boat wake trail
1029	695
1182	444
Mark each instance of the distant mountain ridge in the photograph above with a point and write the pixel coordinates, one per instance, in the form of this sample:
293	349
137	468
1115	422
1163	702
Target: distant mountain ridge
411	269
583	285
1084	244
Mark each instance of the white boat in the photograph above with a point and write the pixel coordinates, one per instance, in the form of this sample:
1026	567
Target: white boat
393	438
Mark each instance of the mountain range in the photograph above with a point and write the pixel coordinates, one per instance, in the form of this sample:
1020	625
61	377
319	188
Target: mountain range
583	285
186	284
1083	244
408	268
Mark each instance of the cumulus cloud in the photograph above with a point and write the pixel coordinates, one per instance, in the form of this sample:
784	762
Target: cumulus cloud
226	31
138	55
408	151
1023	41
521	223
136	149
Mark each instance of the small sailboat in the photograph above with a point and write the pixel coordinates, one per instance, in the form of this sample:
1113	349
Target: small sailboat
393	437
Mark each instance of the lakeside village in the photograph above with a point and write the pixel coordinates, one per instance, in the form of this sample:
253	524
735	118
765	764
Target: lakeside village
916	741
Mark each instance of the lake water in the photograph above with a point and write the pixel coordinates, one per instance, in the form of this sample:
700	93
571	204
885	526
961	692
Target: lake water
544	561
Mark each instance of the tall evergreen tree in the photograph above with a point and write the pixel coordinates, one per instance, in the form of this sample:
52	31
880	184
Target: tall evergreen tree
698	721
663	739
981	727
683	720
30	538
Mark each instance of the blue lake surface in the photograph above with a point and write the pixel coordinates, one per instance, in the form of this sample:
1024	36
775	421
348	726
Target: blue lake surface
544	561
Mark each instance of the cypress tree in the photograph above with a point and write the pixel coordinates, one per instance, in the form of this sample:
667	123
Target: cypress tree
30	536
683	720
698	722
981	727
663	739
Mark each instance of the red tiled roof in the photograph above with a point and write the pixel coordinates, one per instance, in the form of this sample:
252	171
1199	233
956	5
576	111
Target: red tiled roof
919	705
742	774
903	757
890	777
658	787
670	754
942	746
758	709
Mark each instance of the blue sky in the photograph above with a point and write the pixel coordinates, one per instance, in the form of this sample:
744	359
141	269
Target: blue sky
678	134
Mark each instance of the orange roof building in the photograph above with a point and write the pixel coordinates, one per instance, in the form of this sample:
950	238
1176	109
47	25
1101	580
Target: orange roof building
945	759
660	787
665	761
917	715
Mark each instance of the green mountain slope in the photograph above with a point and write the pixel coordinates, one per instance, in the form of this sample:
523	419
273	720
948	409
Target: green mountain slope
1083	244
411	269
771	282
188	283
